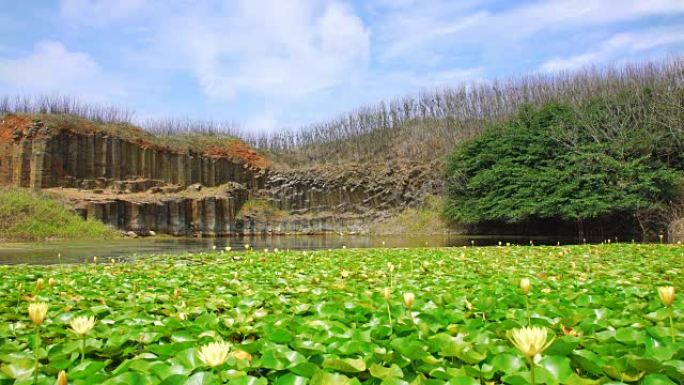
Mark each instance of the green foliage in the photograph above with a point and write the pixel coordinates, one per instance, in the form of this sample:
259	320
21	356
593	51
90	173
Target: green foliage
29	216
557	162
297	318
424	219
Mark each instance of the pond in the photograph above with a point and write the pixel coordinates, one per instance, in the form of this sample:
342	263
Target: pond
129	249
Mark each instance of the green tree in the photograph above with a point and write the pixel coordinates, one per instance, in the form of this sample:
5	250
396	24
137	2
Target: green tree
527	169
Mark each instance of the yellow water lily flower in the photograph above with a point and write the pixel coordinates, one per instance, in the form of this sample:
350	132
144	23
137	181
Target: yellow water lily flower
37	312
214	354
409	299
82	325
530	340
62	378
525	285
667	295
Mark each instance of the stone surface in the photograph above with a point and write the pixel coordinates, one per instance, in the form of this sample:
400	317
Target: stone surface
140	189
33	156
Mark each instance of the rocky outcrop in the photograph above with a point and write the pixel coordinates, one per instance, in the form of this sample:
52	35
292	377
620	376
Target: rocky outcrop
208	216
139	186
351	188
37	156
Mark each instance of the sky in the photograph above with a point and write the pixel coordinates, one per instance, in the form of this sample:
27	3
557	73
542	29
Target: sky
272	64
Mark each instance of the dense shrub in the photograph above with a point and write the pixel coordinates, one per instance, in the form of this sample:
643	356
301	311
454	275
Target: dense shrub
565	163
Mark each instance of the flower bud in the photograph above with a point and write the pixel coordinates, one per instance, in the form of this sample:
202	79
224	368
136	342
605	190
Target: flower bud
40	284
409	299
667	295
386	293
51	282
61	378
525	285
37	312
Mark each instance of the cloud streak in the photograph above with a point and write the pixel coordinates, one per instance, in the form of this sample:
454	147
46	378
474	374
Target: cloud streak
630	44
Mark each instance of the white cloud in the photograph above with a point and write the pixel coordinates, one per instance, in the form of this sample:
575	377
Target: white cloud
268	61
259	48
51	68
618	46
276	50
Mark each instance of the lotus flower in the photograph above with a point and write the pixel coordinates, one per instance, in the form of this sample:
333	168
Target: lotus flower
37	312
530	340
214	354
667	296
82	325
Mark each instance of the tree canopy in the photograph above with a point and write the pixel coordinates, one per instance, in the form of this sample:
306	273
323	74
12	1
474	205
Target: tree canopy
559	162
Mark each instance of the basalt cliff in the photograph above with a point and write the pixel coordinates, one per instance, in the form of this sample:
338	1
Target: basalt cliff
145	184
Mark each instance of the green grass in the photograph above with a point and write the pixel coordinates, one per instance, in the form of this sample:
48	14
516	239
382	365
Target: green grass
424	219
298	318
30	216
260	208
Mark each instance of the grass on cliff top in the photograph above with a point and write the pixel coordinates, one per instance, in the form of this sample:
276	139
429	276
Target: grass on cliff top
303	318
29	216
212	144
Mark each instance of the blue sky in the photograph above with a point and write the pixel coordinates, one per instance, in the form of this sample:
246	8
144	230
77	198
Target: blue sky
267	64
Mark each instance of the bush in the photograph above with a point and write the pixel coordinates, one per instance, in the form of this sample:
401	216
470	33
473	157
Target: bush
551	163
28	216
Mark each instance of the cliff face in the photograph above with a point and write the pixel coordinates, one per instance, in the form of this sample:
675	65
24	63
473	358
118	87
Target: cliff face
207	214
139	186
352	188
33	155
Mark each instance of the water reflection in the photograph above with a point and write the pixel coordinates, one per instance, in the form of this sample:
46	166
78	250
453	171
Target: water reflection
78	252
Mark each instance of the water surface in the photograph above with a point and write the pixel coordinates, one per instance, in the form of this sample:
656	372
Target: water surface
129	249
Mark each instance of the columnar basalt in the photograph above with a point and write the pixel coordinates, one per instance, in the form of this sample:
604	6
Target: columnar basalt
352	188
34	157
206	216
138	184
